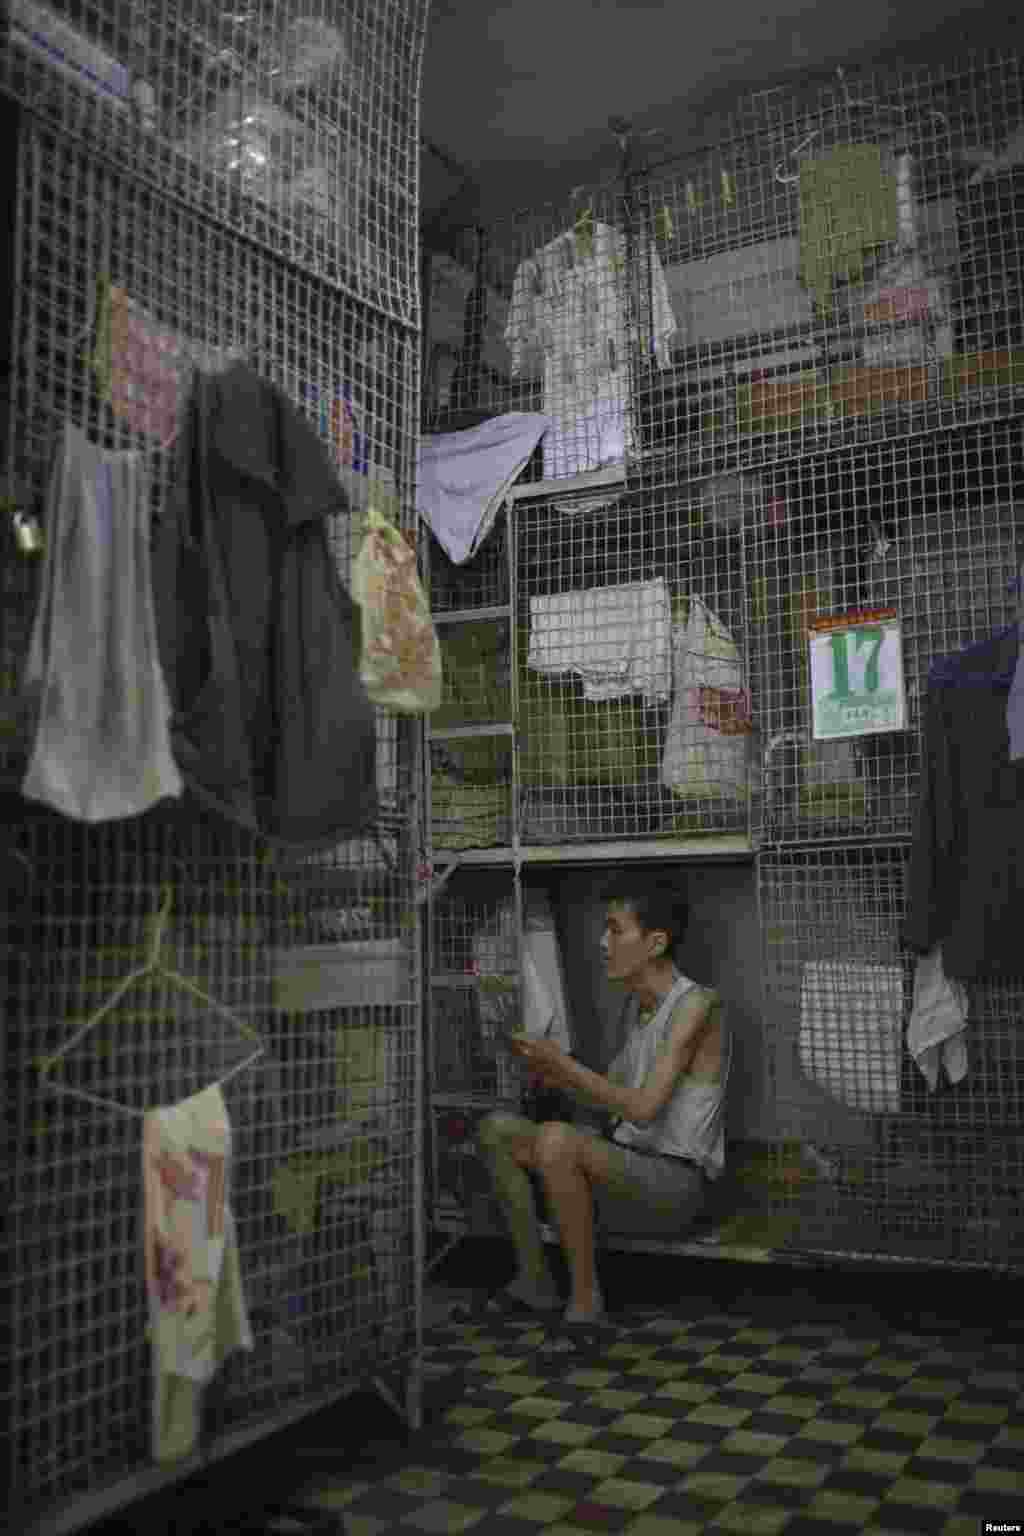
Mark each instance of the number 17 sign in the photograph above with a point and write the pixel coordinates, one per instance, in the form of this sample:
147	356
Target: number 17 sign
857	684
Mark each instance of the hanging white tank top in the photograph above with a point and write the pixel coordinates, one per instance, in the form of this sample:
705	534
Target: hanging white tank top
692	1123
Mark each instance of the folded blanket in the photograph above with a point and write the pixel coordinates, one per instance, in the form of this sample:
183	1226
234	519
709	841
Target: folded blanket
469	815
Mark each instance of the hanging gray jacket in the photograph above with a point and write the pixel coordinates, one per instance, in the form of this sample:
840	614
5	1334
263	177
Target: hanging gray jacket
271	724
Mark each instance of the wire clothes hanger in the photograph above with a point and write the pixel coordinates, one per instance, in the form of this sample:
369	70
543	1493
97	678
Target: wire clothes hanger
152	966
847	105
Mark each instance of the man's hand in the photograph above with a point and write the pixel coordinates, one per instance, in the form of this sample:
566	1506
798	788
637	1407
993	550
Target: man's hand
545	1060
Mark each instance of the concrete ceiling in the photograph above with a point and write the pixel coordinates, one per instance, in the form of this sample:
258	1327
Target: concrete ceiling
520	91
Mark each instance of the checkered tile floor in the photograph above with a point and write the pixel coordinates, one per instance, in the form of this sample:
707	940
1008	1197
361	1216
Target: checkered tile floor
719	1424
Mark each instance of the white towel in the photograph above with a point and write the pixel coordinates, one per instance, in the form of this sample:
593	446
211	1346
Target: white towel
617	639
464	477
938	1018
851	1015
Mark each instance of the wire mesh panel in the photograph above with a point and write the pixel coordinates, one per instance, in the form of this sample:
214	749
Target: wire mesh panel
887	1165
321	1126
633	704
110	323
475	982
544	315
121	291
475	1003
295	125
928	531
481	582
844	267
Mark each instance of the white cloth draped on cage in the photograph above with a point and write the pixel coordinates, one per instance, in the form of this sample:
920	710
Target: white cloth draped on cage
632	639
570	314
101	742
616	639
851	1032
937	1029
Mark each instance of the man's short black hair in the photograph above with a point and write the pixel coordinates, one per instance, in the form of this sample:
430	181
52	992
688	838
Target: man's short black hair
655	901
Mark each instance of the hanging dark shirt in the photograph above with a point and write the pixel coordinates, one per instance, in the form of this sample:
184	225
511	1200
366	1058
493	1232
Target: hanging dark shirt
966	879
271	723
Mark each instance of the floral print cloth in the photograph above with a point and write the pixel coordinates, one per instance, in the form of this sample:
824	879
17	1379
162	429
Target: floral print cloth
193	1278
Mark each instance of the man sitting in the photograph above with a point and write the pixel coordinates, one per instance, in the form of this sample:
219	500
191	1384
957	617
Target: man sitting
664	1096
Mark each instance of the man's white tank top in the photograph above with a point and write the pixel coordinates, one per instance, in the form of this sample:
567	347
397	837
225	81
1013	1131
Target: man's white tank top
692	1123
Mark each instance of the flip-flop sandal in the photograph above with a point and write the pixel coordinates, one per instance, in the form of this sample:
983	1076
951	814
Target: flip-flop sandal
577	1340
287	1520
501	1307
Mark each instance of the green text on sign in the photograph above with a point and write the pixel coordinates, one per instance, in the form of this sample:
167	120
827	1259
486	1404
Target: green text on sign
857	684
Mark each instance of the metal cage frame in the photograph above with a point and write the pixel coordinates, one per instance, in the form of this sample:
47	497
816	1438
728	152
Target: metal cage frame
243	187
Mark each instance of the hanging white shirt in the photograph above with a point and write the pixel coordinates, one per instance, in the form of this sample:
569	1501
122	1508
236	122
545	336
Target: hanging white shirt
570	301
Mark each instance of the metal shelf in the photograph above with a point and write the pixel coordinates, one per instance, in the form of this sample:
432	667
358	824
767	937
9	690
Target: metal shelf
467	1100
465	732
728	846
469	978
471	615
595	479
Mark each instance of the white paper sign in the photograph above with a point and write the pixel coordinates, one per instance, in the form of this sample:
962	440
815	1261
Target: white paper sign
857	685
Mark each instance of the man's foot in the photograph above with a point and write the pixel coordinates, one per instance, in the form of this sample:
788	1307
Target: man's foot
541	1298
515	1304
588	1309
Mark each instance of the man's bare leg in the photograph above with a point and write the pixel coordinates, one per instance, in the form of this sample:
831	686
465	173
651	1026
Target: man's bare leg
508	1147
569	1163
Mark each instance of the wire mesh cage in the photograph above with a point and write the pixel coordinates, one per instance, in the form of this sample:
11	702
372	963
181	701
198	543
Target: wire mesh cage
294	125
927	532
884	1162
844	268
476	1003
322	1127
544	316
129	273
481	582
109	326
634	710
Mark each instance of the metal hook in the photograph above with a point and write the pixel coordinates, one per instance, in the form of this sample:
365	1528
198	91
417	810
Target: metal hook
21	857
431	884
156	926
793	153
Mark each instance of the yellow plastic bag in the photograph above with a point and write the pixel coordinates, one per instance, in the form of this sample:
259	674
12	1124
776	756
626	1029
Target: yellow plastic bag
400	663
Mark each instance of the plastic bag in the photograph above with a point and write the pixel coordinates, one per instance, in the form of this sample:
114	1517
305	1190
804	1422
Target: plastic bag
400	663
705	754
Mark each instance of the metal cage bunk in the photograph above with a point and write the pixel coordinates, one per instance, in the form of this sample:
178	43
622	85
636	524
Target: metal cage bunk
189	186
